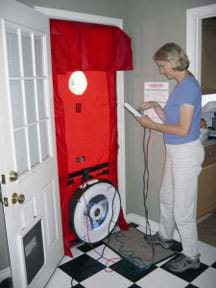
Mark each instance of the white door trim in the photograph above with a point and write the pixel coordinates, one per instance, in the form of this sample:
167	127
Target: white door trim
83	17
194	35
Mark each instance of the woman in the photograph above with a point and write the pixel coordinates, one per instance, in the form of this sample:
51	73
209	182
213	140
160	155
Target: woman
184	155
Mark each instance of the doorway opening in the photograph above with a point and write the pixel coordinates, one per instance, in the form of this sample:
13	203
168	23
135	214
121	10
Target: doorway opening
89	18
101	68
201	40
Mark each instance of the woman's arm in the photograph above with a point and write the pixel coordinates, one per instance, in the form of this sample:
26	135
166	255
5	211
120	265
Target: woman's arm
181	129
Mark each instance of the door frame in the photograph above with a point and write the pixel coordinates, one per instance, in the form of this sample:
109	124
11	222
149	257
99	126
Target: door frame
91	18
194	18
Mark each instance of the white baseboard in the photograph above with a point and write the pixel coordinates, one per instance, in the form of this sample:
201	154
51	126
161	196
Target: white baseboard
5	273
141	221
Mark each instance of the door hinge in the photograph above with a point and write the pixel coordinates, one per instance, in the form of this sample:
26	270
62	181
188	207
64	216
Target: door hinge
3	179
4	200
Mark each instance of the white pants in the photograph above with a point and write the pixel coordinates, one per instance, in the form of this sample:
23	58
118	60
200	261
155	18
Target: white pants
178	194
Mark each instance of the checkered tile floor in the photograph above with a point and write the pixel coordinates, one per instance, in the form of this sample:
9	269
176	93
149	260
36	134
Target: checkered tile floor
88	269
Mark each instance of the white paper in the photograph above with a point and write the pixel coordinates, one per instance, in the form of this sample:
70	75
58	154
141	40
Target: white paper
155	91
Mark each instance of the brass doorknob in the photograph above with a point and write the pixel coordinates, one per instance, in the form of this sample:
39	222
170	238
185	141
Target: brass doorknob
17	198
13	176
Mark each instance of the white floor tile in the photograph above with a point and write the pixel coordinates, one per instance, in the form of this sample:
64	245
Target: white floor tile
60	279
208	253
109	257
161	279
207	279
106	280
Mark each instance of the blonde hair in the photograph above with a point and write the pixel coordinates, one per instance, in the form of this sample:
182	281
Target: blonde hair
174	54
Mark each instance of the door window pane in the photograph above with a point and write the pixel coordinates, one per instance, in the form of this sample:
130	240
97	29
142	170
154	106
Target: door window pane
13	53
41	99
33	144
17	103
39	55
44	139
27	55
30	101
21	151
28	95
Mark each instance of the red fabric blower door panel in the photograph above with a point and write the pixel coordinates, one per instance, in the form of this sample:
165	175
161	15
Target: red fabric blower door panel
86	126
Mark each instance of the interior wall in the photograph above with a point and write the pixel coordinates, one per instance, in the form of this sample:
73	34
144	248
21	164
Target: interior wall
150	24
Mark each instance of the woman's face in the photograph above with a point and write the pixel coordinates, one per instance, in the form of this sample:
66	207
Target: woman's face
165	68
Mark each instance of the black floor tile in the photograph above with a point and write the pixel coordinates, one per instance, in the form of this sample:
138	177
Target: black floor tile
191	286
213	265
134	286
78	286
130	271
82	267
188	275
88	247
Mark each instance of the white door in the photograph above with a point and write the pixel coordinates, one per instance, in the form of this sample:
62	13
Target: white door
27	146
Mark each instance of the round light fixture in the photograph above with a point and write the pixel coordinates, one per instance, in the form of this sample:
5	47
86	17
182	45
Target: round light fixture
77	83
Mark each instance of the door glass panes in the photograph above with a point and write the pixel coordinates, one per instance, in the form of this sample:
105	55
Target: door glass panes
21	151
38	41
13	53
41	99
27	55
44	139
27	80
30	101
33	144
17	103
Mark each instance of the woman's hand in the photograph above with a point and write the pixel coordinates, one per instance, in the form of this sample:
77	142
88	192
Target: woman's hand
145	121
154	105
148	105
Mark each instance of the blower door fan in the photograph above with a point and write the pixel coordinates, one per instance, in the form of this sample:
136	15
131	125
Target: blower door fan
94	210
